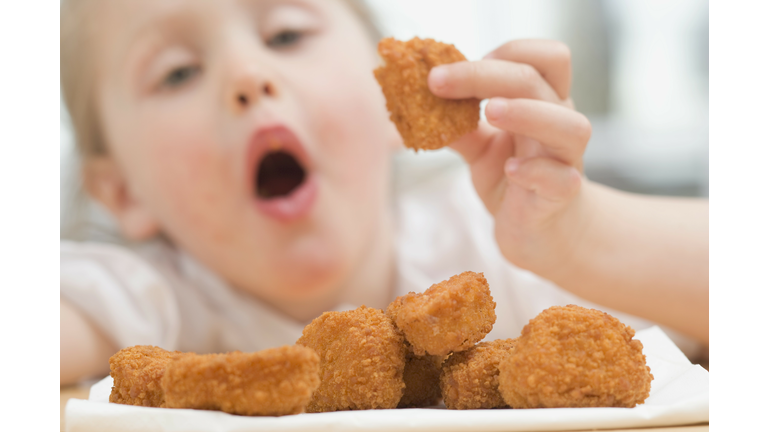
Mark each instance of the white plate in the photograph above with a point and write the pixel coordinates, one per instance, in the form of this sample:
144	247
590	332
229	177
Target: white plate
679	395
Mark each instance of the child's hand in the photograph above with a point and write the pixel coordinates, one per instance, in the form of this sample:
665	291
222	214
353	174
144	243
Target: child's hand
620	250
526	161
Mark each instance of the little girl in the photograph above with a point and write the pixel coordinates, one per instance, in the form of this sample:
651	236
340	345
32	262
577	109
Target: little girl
244	150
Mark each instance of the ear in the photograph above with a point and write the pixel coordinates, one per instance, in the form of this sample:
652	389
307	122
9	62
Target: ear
105	182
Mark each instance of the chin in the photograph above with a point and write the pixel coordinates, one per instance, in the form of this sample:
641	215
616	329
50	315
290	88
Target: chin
310	292
310	279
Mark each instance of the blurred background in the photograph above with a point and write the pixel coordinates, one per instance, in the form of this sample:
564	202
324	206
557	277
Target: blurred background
640	73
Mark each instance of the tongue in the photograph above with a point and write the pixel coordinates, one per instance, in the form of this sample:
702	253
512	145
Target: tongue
277	187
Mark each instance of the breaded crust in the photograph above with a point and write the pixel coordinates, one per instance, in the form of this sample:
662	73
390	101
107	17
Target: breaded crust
362	357
422	381
272	382
575	357
136	373
424	120
452	315
470	379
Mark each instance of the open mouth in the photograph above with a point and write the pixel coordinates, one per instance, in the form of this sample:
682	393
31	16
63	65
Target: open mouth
283	183
278	175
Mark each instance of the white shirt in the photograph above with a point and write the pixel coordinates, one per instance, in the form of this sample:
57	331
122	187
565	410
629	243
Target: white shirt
156	294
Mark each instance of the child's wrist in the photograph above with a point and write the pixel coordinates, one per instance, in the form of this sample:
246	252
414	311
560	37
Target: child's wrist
565	248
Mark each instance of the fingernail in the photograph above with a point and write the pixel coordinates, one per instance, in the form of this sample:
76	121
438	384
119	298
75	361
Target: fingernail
511	166
438	77
495	109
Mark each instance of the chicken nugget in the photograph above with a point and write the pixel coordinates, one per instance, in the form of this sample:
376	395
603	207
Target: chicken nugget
452	315
136	373
422	381
575	357
424	120
470	379
362	357
272	382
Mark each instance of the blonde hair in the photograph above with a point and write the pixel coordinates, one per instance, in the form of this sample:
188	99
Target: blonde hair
77	73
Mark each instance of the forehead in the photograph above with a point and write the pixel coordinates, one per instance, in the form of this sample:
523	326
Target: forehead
134	17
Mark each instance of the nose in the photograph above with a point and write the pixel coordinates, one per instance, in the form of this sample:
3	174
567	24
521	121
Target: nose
248	86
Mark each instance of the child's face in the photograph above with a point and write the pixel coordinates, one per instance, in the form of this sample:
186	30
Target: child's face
194	94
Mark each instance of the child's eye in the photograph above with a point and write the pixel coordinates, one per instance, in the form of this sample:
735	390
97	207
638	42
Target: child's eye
180	75
284	39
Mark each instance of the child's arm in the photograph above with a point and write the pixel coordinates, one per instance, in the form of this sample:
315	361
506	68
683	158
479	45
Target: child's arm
84	351
646	256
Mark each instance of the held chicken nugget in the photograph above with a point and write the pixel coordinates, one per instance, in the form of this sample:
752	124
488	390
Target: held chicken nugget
422	381
575	357
424	120
272	382
362	357
136	373
470	379
452	315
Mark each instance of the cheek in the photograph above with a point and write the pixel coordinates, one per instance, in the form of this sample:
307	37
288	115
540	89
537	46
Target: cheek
350	133
352	125
186	179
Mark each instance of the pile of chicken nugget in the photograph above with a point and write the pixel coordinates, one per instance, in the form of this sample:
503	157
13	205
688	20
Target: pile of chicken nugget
424	348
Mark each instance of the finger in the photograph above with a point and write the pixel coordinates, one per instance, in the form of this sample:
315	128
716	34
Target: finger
552	59
563	133
547	178
489	78
475	145
485	151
